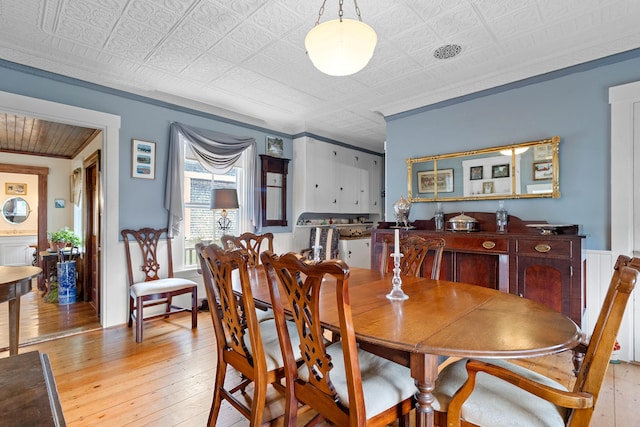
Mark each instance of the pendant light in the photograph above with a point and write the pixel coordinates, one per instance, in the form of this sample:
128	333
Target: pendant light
340	47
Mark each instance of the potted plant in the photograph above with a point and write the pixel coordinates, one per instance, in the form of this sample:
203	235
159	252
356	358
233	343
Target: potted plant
62	238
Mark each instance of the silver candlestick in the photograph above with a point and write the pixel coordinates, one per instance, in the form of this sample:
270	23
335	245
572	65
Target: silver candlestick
397	294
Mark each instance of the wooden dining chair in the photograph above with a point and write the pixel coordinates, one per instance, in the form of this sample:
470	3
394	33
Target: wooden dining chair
158	286
328	238
252	243
347	386
249	346
506	394
414	250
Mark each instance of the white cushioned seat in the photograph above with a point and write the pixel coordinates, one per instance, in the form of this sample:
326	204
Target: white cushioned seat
161	285
271	345
263	315
384	383
495	402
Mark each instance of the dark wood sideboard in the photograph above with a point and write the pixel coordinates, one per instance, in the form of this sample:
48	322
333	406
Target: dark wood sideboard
522	261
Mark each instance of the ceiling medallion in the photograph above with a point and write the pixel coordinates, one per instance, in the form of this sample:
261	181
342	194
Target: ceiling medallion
447	51
340	47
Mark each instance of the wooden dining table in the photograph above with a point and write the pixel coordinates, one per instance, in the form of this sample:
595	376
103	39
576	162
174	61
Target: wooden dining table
440	318
15	281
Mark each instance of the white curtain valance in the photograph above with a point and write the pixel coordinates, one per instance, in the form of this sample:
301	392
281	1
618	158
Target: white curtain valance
217	152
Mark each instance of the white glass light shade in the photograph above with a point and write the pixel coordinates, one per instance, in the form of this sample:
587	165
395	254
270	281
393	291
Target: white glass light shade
341	48
519	150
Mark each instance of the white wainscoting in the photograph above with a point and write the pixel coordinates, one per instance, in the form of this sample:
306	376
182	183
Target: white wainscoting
598	275
15	250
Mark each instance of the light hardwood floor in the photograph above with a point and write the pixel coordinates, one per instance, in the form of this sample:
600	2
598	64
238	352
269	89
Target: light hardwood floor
105	379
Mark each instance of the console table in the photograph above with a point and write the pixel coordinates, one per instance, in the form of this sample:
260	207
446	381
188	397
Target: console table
28	393
544	268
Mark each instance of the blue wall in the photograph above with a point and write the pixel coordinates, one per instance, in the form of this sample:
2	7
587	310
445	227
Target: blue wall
571	103
141	201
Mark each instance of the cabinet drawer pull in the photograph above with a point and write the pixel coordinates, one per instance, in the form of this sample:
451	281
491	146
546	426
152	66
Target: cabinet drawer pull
542	248
488	245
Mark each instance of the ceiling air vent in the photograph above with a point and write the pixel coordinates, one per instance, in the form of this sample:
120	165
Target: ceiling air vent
447	51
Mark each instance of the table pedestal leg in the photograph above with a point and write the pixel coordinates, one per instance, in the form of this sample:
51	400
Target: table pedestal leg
424	369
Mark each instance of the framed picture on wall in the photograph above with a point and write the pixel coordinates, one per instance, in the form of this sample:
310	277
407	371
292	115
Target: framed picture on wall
275	147
427	181
475	172
143	159
500	171
15	189
487	187
542	171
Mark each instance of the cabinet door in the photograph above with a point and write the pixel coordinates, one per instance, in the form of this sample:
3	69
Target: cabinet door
546	281
375	185
477	269
322	196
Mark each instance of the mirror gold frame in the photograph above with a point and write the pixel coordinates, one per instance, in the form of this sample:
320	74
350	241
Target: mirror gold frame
518	171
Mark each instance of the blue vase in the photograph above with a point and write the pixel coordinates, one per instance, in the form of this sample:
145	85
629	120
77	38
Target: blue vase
66	282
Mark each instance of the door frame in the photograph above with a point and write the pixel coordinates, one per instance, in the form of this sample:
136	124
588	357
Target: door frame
625	198
114	302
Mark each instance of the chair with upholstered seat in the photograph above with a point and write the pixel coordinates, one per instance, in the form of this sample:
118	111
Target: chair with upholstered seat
414	250
251	243
498	393
327	238
249	346
346	385
158	286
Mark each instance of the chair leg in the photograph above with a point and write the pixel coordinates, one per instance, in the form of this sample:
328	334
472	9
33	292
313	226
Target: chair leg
131	301
169	302
258	404
139	319
221	372
194	308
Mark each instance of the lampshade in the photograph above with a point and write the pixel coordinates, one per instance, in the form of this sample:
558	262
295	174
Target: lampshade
340	47
224	198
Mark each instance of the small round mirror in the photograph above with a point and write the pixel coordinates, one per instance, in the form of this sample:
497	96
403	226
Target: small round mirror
15	210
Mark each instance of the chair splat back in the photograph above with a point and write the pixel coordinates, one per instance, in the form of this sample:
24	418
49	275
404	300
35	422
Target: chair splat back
251	243
414	251
220	265
148	239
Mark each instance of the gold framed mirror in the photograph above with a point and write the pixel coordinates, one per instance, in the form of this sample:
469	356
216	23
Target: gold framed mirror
519	171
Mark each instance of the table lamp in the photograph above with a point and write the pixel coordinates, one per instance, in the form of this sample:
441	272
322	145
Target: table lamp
224	198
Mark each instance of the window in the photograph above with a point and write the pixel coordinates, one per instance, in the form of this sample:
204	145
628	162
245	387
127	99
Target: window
200	222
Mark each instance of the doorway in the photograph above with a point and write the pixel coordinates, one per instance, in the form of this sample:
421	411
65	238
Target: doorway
92	210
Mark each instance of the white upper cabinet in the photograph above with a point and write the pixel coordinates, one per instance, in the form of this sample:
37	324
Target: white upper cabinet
332	179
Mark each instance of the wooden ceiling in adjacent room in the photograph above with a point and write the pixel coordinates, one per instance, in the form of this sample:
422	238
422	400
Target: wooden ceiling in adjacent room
26	135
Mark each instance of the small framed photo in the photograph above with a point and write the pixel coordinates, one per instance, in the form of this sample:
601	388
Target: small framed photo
427	182
542	171
487	187
500	171
58	203
542	152
275	147
143	159
475	172
15	189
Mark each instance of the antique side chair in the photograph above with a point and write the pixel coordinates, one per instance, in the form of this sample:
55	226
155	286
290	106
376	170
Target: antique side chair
249	346
505	394
158	286
251	243
346	385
